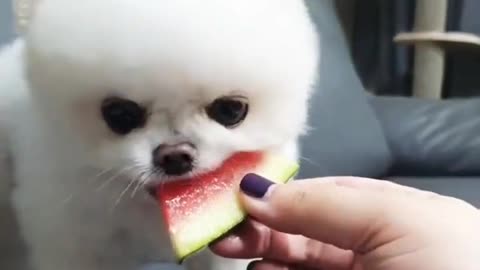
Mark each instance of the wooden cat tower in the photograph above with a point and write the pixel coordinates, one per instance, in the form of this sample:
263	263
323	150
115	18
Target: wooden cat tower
431	40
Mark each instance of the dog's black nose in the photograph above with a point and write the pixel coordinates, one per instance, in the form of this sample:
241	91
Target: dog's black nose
174	160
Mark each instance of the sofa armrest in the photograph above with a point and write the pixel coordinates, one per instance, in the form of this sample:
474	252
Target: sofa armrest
431	138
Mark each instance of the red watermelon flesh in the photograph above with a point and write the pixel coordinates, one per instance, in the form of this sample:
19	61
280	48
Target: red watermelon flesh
198	211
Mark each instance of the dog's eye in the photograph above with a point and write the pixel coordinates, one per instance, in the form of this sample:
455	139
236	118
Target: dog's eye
122	116
228	111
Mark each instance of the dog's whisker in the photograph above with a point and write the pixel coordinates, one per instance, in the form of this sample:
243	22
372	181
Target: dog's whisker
113	178
97	176
311	161
67	200
320	167
100	174
137	186
70	197
117	202
147	176
139	181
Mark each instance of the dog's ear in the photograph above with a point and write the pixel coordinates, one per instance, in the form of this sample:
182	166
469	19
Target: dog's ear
23	11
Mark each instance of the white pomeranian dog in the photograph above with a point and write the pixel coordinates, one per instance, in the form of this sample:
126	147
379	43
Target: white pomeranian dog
103	99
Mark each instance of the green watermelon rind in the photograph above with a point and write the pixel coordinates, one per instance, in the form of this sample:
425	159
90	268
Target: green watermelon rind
276	169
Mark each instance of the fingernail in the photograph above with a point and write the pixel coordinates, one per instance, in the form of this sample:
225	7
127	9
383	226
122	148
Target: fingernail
255	185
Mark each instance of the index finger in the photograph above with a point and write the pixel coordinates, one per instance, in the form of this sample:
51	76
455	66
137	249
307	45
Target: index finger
333	211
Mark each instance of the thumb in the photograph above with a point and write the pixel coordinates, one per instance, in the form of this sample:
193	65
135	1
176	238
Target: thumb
350	213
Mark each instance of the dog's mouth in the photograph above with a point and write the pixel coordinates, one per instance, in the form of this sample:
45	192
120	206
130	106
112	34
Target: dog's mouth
231	162
152	187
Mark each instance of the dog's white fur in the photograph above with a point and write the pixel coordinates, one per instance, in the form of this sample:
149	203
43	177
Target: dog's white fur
176	56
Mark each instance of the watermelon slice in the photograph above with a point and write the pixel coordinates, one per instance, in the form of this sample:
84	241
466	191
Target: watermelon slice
198	211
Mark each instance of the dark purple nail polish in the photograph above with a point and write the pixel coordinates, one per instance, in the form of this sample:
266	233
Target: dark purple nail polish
255	185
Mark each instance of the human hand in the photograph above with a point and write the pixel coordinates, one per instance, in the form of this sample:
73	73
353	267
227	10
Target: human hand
352	224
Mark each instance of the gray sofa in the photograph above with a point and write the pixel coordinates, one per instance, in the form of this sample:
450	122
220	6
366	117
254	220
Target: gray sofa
433	145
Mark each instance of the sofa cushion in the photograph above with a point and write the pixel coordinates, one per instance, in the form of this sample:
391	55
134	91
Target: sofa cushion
430	137
464	188
346	138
